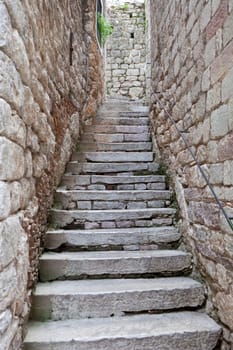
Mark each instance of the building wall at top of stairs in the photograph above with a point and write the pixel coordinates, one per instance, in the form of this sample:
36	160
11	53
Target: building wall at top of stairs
50	81
192	67
126	50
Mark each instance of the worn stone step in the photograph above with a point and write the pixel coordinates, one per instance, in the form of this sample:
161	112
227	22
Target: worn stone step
140	114
132	121
76	265
117	129
115	137
121	218
94	199
126	237
177	330
122	107
104	168
124	146
146	182
114	157
60	300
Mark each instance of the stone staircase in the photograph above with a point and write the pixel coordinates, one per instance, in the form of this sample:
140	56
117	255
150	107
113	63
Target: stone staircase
111	276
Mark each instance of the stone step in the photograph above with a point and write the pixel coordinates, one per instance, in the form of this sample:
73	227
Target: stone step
106	168
135	114
76	265
110	111
125	120
89	219
60	300
133	238
102	182
114	157
122	109
94	199
117	129
177	330
115	137
113	147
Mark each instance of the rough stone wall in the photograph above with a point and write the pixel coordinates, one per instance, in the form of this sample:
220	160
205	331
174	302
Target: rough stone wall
126	50
50	83
192	65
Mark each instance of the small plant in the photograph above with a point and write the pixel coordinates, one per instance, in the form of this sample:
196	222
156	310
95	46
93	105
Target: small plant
105	29
125	7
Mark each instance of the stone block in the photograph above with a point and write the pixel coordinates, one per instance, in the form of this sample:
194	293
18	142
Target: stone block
227	29
227	91
213	97
212	148
190	22
219	121
206	80
11	126
216	173
39	164
222	64
15	188
118	72
210	52
12	162
215	6
195	33
133	72
5	26
230	5
5	320
136	92
225	308
219	15
140	186
228	172
205	16
84	205
11	87
5	200
17	51
8	286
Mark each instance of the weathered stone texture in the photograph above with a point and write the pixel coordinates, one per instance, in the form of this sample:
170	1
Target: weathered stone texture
50	83
126	50
192	49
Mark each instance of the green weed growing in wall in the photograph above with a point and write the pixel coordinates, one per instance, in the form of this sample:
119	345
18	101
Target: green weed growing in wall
105	28
125	7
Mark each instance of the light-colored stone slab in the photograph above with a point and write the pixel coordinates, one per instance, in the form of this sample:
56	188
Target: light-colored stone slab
167	331
63	218
111	237
134	195
77	264
102	168
106	138
117	129
127	179
72	181
113	157
62	300
121	120
124	146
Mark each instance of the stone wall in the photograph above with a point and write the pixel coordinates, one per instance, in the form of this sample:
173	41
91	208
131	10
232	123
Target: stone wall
192	67
126	50
50	83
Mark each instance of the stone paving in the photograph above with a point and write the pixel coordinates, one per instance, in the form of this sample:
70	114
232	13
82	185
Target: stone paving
111	276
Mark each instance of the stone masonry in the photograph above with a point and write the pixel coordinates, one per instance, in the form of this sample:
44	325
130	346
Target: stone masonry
126	50
50	83
192	67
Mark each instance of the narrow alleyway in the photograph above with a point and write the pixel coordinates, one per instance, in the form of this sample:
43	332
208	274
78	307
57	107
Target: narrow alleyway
112	276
